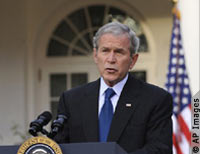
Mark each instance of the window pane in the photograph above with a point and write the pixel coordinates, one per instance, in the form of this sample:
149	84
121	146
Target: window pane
115	11
97	15
77	53
87	38
78	79
81	45
143	43
64	31
58	84
57	49
139	75
79	20
94	32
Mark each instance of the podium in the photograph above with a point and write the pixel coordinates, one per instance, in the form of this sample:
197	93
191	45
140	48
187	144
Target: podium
77	148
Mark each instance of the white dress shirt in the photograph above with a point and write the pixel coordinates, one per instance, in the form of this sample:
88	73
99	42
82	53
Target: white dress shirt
117	88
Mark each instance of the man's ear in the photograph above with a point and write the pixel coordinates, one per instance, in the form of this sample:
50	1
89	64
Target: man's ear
134	58
95	55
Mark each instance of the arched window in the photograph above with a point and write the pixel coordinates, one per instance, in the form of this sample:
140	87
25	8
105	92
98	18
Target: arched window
73	36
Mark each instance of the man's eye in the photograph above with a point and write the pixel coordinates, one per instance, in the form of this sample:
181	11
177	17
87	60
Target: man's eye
105	50
119	51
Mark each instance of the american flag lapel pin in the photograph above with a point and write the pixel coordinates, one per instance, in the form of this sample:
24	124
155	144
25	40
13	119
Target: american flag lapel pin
128	105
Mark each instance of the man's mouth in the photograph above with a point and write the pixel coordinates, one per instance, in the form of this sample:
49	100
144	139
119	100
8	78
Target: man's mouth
111	70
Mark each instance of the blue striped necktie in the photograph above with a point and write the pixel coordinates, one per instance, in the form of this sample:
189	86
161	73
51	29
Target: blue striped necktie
106	115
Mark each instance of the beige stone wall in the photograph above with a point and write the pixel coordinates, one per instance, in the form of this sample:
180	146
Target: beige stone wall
13	45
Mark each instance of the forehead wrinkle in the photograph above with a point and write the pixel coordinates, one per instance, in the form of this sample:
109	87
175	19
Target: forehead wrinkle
114	48
111	43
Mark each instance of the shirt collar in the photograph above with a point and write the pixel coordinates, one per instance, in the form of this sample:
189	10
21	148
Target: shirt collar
117	87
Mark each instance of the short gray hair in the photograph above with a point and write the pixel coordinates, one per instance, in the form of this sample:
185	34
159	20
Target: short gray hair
117	28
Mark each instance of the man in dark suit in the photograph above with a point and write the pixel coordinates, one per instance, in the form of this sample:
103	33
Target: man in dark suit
117	107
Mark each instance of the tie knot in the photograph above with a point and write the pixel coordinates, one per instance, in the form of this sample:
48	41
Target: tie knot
109	93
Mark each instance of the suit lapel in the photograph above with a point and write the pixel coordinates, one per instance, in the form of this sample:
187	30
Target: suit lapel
125	108
90	112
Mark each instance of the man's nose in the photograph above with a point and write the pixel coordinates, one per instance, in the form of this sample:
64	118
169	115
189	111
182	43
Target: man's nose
111	57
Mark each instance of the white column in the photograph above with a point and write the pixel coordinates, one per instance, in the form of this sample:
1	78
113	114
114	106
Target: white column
190	34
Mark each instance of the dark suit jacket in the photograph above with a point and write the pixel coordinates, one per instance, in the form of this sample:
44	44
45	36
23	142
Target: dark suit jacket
143	128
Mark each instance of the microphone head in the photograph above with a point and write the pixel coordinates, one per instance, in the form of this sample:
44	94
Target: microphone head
45	117
59	122
57	125
37	125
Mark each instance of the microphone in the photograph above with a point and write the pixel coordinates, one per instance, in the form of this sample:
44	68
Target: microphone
37	125
57	125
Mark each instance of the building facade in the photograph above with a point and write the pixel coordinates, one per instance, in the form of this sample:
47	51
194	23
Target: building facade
45	48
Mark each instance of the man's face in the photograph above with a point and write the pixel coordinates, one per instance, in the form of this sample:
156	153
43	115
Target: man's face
113	57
